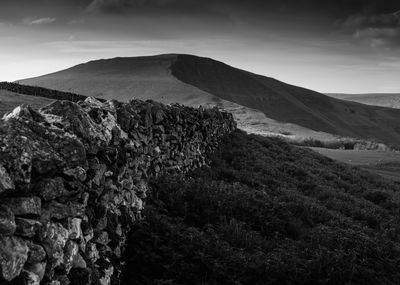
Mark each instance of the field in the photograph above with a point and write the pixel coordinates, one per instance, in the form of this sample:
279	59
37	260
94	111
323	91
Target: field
386	164
10	100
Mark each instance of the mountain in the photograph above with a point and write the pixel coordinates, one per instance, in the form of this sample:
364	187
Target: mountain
390	100
193	80
9	100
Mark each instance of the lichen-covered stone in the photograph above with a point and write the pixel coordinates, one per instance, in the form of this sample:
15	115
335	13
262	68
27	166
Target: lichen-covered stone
74	228
77	173
57	210
36	253
50	188
53	237
22	206
13	255
74	177
34	273
7	221
6	182
27	227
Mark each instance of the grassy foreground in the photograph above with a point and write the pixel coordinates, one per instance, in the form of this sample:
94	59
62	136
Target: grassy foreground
267	212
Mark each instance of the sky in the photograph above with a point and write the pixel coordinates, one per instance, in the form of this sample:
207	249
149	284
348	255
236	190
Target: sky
337	46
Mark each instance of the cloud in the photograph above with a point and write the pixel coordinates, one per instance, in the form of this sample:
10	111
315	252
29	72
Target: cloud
123	6
379	30
39	21
362	21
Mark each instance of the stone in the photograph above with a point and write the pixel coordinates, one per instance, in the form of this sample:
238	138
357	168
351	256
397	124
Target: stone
63	279
87	165
53	237
50	188
36	253
106	278
101	238
70	251
22	206
77	173
30	278
56	210
80	276
74	228
7	221
92	254
13	255
35	271
27	227
79	262
6	183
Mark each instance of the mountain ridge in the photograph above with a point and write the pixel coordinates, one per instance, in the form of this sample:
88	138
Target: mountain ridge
194	81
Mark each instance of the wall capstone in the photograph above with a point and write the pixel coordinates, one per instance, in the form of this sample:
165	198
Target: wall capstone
73	180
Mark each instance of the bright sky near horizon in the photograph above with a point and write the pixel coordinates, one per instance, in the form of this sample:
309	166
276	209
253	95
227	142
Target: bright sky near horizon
337	46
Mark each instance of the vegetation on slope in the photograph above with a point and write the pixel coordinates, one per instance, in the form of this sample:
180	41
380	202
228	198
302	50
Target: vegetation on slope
268	213
40	92
9	100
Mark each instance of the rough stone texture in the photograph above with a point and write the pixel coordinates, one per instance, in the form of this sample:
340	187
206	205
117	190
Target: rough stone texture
73	179
13	255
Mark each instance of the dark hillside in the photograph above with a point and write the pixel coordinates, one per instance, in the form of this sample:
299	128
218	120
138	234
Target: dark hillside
40	92
194	81
268	213
288	103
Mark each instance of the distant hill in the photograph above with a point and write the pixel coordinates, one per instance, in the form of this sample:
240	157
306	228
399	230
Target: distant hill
194	81
14	94
9	100
390	100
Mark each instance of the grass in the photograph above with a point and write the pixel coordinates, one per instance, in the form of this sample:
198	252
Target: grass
10	100
266	212
360	157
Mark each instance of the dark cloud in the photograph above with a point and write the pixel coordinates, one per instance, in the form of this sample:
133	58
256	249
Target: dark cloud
376	30
124	6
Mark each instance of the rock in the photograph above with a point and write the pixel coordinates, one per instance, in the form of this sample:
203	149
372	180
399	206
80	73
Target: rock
70	252
62	279
101	238
79	276
77	173
56	210
88	165
50	189
27	227
53	282
35	272
30	278
7	221
22	206
92	254
6	182
79	262
106	278
53	237
74	228
36	253
13	255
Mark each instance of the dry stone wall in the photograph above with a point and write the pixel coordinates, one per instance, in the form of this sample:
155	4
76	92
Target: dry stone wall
73	180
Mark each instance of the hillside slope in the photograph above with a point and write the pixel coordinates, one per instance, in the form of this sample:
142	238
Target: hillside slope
9	100
268	213
389	100
196	81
